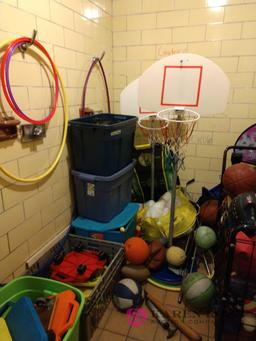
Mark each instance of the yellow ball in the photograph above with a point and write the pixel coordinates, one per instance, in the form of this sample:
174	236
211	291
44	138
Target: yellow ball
175	256
122	229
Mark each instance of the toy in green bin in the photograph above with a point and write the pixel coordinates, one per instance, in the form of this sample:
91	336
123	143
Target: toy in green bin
57	313
4	331
18	314
64	313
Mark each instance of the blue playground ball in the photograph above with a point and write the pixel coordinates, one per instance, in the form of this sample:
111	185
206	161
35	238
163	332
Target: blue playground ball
127	294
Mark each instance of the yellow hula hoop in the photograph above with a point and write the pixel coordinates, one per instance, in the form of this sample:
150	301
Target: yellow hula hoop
64	135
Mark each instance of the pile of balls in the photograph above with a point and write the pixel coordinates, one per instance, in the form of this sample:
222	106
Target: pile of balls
142	257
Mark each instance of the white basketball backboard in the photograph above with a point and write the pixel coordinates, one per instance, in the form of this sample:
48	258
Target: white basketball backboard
183	80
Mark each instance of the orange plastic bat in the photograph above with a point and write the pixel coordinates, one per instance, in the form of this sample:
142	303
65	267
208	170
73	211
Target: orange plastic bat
64	313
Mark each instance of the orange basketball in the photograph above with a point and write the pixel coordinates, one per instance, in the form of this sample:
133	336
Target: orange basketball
239	178
136	250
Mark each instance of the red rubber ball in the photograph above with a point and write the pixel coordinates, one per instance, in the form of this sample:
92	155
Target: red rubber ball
239	178
136	250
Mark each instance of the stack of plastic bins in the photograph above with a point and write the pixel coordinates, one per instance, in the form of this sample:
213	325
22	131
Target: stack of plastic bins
101	148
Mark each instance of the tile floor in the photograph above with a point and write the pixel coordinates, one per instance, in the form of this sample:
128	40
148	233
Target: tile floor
114	325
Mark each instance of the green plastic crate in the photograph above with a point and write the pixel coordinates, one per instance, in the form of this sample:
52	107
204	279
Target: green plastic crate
35	287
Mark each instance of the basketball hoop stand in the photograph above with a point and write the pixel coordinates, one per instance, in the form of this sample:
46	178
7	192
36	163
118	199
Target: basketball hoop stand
172	128
152	187
173	199
181	126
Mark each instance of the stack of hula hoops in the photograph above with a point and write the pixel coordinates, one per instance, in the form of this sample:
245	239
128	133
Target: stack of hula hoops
10	47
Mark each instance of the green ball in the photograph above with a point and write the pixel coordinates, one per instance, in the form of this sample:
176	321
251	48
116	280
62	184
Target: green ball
205	237
198	291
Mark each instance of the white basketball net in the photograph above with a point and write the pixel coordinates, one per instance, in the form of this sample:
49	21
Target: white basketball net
180	128
154	128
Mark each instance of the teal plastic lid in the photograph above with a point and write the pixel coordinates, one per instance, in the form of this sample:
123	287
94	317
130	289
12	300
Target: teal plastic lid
118	221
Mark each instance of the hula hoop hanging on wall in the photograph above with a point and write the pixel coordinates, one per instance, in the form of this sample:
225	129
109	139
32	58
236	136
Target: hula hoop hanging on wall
64	135
6	81
95	61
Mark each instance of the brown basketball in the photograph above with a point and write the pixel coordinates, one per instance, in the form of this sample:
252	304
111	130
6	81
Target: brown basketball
239	178
208	212
156	256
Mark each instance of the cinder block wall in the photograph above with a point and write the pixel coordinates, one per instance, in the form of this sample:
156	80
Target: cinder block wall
143	31
72	31
147	30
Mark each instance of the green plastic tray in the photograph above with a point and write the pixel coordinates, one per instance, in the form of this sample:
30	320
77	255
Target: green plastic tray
35	287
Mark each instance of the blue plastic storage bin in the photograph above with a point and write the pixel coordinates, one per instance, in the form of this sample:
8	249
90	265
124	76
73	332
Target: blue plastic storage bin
101	144
111	230
102	197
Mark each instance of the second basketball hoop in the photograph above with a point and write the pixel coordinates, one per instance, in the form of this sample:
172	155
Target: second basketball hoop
181	126
155	129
